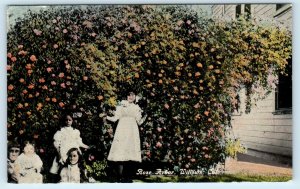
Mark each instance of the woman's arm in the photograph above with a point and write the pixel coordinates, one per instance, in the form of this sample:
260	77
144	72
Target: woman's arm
117	115
139	119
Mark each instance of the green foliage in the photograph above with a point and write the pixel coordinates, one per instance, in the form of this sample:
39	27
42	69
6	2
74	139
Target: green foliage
187	69
234	146
97	170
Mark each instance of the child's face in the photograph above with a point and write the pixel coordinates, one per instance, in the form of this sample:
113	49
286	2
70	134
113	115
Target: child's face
131	97
29	149
69	121
14	153
73	157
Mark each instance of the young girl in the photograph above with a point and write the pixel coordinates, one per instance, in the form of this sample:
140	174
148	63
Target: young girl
126	143
65	139
73	171
28	165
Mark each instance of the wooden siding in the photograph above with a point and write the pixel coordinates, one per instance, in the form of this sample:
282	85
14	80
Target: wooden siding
285	16
261	130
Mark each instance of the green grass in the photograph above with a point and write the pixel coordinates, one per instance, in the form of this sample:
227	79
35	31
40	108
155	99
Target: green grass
217	178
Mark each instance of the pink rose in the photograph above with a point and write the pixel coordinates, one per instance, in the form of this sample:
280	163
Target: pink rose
61	75
158	145
37	32
147	145
9	68
148	153
167	106
61	104
49	70
91	157
55	46
63	85
65	31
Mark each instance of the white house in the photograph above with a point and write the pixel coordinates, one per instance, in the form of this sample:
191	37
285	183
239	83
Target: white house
267	130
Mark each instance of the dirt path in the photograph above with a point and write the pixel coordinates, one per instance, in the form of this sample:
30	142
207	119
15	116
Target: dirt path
257	166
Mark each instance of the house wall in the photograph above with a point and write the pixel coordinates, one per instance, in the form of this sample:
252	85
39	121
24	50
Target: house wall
265	132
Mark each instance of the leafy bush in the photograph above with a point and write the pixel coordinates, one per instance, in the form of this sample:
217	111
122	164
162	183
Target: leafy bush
97	170
187	69
234	146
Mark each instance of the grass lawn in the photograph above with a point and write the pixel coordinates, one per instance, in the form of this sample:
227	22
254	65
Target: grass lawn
217	178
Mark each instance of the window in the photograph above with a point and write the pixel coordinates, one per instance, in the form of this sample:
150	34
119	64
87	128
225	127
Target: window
279	6
283	93
238	11
248	10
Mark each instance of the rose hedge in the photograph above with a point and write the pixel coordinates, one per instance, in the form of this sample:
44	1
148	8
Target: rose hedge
188	70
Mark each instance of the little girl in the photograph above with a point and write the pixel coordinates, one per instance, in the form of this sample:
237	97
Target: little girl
65	139
29	165
73	171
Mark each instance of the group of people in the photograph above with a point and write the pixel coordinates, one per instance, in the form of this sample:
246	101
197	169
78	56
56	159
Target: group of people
68	164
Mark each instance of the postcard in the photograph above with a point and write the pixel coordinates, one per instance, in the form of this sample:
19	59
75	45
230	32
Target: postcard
149	93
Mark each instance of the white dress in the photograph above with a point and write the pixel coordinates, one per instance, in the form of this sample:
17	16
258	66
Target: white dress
70	174
29	167
126	142
65	139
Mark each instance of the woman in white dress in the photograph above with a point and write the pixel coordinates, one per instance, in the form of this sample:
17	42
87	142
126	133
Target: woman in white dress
126	142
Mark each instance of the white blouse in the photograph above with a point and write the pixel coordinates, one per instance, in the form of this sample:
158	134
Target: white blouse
65	139
126	109
70	174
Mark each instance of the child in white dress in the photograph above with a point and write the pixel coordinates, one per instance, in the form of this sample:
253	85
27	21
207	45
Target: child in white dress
28	166
126	142
65	139
73	171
